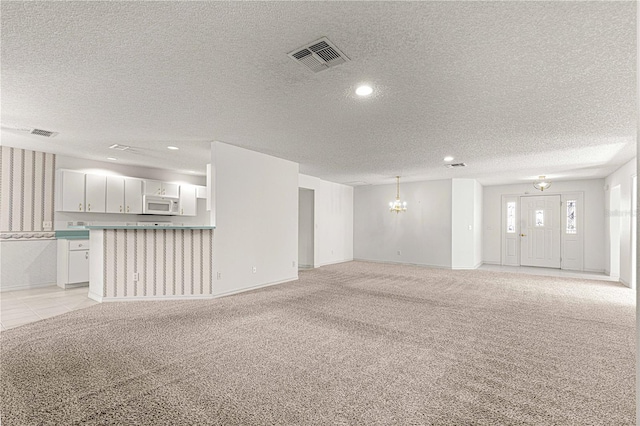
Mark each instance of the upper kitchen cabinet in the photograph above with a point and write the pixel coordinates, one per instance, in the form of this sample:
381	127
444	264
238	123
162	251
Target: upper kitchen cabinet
162	189
188	202
115	194
133	195
70	191
95	193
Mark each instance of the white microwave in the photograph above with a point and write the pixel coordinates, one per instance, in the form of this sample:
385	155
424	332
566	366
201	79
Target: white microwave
152	204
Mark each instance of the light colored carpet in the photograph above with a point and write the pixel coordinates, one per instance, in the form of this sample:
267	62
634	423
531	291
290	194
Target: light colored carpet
355	343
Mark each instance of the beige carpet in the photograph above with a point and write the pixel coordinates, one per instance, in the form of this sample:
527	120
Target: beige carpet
355	343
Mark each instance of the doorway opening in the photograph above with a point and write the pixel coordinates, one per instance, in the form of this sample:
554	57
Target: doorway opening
306	220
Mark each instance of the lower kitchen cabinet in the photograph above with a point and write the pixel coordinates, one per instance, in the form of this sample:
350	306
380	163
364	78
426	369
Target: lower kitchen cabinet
73	263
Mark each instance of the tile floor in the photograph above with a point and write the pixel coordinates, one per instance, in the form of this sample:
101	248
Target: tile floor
21	307
550	272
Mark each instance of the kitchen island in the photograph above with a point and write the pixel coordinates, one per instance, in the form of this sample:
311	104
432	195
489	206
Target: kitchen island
133	262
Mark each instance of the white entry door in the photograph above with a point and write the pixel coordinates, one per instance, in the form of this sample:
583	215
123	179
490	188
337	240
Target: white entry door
540	229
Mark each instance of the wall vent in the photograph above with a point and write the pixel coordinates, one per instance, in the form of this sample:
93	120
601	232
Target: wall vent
451	166
319	55
45	133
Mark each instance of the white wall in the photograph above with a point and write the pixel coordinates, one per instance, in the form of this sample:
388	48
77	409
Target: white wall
422	234
256	219
594	220
62	219
306	225
623	177
466	214
334	219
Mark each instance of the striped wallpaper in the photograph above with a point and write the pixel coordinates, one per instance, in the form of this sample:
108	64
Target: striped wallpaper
169	262
26	193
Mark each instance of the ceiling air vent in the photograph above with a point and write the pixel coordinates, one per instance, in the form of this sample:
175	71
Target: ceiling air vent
451	166
319	55
45	133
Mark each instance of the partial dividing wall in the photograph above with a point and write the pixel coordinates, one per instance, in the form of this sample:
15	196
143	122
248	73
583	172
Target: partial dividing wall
333	220
466	227
255	211
625	214
421	235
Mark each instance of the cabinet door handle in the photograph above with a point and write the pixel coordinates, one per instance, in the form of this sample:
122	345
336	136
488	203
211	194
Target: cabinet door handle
80	207
181	211
120	209
86	254
89	207
127	209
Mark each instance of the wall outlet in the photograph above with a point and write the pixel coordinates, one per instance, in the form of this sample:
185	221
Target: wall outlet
470	227
219	275
136	276
399	252
47	225
255	269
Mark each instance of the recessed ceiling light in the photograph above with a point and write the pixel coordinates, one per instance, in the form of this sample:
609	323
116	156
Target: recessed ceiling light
112	158
364	90
173	148
448	158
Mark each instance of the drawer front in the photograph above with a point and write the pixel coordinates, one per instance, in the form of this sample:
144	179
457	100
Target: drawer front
78	244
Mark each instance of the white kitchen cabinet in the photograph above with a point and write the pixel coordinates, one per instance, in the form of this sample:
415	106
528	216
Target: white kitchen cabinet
115	194
188	201
163	189
95	193
133	195
73	263
70	191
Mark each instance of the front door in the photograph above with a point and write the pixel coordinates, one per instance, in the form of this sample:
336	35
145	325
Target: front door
540	231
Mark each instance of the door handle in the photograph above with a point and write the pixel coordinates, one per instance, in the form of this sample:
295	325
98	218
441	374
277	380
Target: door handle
523	235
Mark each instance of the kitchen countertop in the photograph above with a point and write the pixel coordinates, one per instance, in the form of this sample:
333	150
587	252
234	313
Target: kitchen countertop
145	227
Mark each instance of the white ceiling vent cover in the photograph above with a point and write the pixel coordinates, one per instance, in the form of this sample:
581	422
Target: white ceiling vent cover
45	133
451	166
319	55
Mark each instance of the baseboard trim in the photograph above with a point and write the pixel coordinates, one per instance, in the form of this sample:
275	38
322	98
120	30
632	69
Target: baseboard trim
625	283
101	299
232	292
467	268
403	263
490	262
335	262
27	287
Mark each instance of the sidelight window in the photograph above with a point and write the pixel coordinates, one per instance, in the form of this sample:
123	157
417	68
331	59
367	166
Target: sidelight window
571	217
511	217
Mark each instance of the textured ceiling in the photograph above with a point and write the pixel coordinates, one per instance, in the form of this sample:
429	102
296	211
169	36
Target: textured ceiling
514	89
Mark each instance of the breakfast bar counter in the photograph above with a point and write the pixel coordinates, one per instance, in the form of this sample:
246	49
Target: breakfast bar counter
134	262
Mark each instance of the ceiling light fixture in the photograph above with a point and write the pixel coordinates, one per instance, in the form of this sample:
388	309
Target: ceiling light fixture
542	183
448	158
364	90
112	158
397	205
174	148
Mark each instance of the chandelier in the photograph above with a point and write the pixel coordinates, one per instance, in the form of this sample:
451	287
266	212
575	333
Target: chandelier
397	205
542	183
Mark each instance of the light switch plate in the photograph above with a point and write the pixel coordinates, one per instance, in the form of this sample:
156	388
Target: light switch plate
47	225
